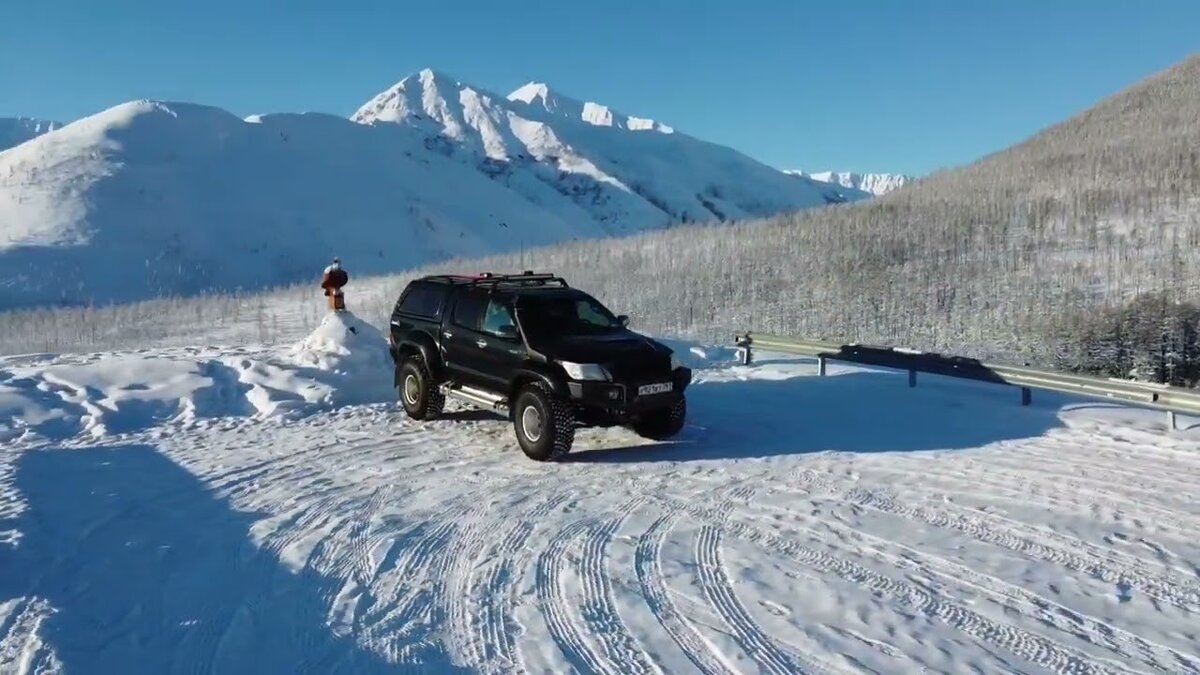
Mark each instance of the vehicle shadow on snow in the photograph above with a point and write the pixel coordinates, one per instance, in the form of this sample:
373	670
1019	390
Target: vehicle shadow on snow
148	572
861	412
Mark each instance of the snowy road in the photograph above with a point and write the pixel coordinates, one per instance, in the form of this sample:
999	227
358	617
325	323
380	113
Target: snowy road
801	525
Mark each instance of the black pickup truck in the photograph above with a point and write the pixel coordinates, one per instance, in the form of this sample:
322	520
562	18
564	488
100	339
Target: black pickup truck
550	357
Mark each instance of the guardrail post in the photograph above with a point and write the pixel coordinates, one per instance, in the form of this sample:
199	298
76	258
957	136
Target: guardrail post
1172	421
1026	396
912	378
743	352
821	366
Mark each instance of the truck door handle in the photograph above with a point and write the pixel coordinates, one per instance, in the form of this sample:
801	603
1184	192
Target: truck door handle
447	334
481	343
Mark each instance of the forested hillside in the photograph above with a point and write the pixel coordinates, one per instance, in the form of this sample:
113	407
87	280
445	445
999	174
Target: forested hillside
1034	253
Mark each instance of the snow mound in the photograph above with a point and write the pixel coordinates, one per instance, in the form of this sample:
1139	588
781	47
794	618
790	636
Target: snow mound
108	394
344	344
352	360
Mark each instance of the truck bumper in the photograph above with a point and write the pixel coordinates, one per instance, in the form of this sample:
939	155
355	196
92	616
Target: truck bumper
625	398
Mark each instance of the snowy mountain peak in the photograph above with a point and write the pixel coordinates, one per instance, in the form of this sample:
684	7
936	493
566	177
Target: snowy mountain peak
184	198
539	95
16	130
534	91
874	183
421	97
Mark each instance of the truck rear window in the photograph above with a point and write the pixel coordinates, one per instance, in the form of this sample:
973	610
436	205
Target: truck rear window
424	300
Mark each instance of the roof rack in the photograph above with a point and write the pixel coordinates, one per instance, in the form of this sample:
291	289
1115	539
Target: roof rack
525	278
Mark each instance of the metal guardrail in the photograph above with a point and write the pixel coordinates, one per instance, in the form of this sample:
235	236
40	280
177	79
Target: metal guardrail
1173	400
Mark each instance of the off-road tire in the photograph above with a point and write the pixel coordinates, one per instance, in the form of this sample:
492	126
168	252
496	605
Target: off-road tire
554	415
659	425
417	391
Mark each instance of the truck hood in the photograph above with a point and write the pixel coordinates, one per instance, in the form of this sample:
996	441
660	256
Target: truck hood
606	349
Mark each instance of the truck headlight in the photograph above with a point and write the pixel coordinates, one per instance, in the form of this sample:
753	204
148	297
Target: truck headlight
585	371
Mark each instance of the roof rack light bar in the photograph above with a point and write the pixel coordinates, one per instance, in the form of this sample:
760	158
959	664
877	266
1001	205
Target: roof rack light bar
525	277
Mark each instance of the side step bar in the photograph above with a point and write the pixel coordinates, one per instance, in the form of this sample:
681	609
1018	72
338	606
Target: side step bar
477	397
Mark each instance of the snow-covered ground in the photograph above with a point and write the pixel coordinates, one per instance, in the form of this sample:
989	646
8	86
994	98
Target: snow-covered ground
272	510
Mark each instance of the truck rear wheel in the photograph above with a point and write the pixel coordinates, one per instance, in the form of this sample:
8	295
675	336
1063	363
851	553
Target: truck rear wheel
662	424
544	423
418	392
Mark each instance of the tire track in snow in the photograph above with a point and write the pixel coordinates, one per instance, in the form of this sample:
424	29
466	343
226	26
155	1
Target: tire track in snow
1124	644
422	602
1013	486
599	609
598	614
404	610
647	565
491	628
1060	617
342	558
1105	465
718	589
1110	566
1034	648
452	587
349	560
216	613
1114	567
1136	487
732	611
1181	456
565	634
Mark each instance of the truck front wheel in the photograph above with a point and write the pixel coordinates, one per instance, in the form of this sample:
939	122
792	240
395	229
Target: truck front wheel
663	423
544	423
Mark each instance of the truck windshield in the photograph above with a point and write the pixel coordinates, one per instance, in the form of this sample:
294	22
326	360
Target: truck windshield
565	315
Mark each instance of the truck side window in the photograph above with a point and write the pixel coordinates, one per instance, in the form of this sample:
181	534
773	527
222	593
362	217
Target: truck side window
424	300
468	311
497	316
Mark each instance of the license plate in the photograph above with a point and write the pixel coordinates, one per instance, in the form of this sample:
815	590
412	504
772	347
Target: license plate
655	388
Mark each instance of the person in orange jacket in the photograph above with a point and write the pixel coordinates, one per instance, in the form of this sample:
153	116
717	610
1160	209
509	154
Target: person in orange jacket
334	278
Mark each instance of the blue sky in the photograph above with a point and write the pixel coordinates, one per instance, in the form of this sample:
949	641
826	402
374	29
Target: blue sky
870	85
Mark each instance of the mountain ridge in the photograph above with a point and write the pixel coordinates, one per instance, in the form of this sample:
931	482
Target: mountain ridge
877	184
17	130
151	198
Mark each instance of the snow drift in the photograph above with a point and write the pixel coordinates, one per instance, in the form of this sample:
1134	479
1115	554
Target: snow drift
343	362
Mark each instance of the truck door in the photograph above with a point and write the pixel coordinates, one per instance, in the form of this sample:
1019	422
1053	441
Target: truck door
503	351
461	340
